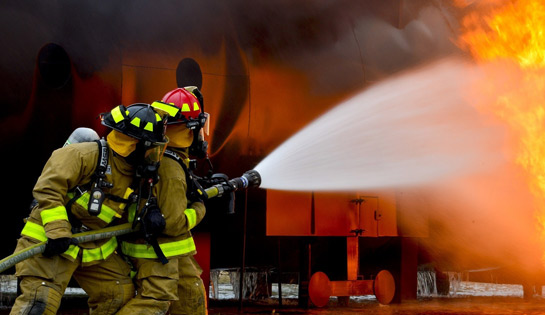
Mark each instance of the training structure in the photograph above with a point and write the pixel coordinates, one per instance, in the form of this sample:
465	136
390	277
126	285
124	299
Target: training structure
265	71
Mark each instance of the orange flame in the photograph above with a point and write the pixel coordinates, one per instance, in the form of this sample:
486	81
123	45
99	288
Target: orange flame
515	32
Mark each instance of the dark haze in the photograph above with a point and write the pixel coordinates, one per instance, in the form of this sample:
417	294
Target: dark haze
339	46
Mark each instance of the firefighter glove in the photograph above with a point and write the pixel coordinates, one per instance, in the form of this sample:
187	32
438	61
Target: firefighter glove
154	221
56	246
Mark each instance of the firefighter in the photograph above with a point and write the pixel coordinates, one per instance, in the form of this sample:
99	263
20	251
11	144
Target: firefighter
191	290
86	186
173	280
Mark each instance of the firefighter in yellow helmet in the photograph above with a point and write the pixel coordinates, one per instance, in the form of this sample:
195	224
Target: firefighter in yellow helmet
172	283
86	186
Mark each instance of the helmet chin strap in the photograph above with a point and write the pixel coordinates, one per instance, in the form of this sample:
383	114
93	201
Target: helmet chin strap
199	147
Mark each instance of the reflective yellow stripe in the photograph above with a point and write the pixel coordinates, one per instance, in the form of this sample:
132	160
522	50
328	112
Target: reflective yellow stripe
132	212
100	253
117	115
106	214
57	213
136	121
35	231
191	216
185	108
171	110
169	249
195	106
127	194
178	248
72	251
149	127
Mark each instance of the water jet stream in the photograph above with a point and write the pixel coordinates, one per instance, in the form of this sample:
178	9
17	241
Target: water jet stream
414	128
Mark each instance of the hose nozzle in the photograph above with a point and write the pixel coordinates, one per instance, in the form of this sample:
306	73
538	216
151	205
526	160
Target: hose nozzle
250	179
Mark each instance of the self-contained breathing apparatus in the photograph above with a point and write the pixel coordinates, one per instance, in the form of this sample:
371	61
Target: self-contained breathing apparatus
142	124
149	218
98	182
97	196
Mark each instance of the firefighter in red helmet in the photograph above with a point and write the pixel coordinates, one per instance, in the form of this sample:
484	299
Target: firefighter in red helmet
84	186
170	281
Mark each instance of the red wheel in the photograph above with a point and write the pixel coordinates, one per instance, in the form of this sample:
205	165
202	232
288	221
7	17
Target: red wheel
319	289
384	287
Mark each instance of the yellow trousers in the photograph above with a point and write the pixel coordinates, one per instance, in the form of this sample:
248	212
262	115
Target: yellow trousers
43	281
156	287
191	290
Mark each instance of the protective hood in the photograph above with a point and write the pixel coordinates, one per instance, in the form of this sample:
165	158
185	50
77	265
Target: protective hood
179	136
121	144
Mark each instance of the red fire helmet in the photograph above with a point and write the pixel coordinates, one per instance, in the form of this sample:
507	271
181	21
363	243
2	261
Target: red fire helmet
187	102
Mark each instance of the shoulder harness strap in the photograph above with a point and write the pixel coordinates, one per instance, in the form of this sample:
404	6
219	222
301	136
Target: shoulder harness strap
195	192
102	162
95	204
97	196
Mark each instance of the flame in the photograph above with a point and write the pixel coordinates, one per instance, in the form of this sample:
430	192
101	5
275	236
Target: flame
514	32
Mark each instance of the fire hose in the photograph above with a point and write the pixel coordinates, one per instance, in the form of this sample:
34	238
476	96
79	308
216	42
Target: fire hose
248	180
83	237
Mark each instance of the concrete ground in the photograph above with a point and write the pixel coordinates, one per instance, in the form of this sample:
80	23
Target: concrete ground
464	298
466	305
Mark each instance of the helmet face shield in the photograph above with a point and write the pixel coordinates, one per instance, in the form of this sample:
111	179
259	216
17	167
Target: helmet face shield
206	127
154	153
